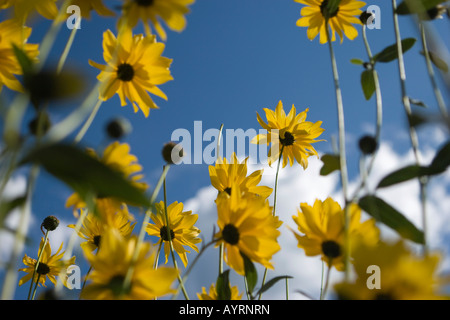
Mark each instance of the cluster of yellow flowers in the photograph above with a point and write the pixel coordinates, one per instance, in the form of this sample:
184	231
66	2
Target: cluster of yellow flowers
125	266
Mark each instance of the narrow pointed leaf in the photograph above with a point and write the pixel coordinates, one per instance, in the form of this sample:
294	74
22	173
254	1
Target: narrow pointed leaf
223	286
391	53
250	273
85	174
270	283
441	160
367	83
331	163
402	175
386	214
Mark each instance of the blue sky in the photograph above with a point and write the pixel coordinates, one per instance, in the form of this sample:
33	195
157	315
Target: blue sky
234	59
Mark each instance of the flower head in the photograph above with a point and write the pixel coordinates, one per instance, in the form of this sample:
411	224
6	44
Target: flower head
290	133
12	32
134	67
247	227
225	173
322	226
24	8
403	274
50	266
212	294
170	11
181	226
86	6
317	16
110	265
94	226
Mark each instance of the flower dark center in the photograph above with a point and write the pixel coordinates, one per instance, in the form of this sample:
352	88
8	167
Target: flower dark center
230	234
43	269
144	3
228	190
125	72
331	249
288	139
327	12
97	240
164	235
116	285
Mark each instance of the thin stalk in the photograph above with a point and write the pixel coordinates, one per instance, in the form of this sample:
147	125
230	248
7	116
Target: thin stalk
412	131
437	92
157	255
327	280
35	287
274	207
172	251
221	248
63	58
141	235
37	265
287	288
88	122
342	152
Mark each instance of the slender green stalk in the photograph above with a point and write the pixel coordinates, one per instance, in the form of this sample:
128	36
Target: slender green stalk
88	122
274	207
63	58
37	265
287	288
437	92
169	236
342	152
157	255
221	248
141	235
327	280
35	287
412	131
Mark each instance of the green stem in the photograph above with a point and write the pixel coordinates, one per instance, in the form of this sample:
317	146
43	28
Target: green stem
172	251
35	287
37	264
342	153
274	207
66	51
327	280
88	122
412	131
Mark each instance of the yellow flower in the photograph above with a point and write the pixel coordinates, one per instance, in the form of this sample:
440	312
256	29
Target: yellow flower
340	20
224	174
402	275
322	226
23	8
291	133
134	68
86	6
110	265
50	266
93	227
170	11
182	229
12	32
117	156
212	294
246	226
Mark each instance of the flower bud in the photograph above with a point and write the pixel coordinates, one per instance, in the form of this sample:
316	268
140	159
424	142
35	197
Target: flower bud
367	144
172	152
118	127
50	223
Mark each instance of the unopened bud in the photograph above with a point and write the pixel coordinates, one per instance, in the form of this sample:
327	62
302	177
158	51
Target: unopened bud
50	223
172	153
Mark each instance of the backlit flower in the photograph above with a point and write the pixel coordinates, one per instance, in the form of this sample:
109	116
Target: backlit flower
340	20
182	230
322	230
12	32
246	226
50	266
86	6
24	8
212	294
134	68
170	11
291	132
402	274
226	173
109	270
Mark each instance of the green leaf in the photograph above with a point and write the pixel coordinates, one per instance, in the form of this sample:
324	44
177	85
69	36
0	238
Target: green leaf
24	61
391	53
437	61
85	174
270	283
441	160
417	102
223	286
367	83
357	61
250	273
331	163
7	206
417	6
385	213
402	175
